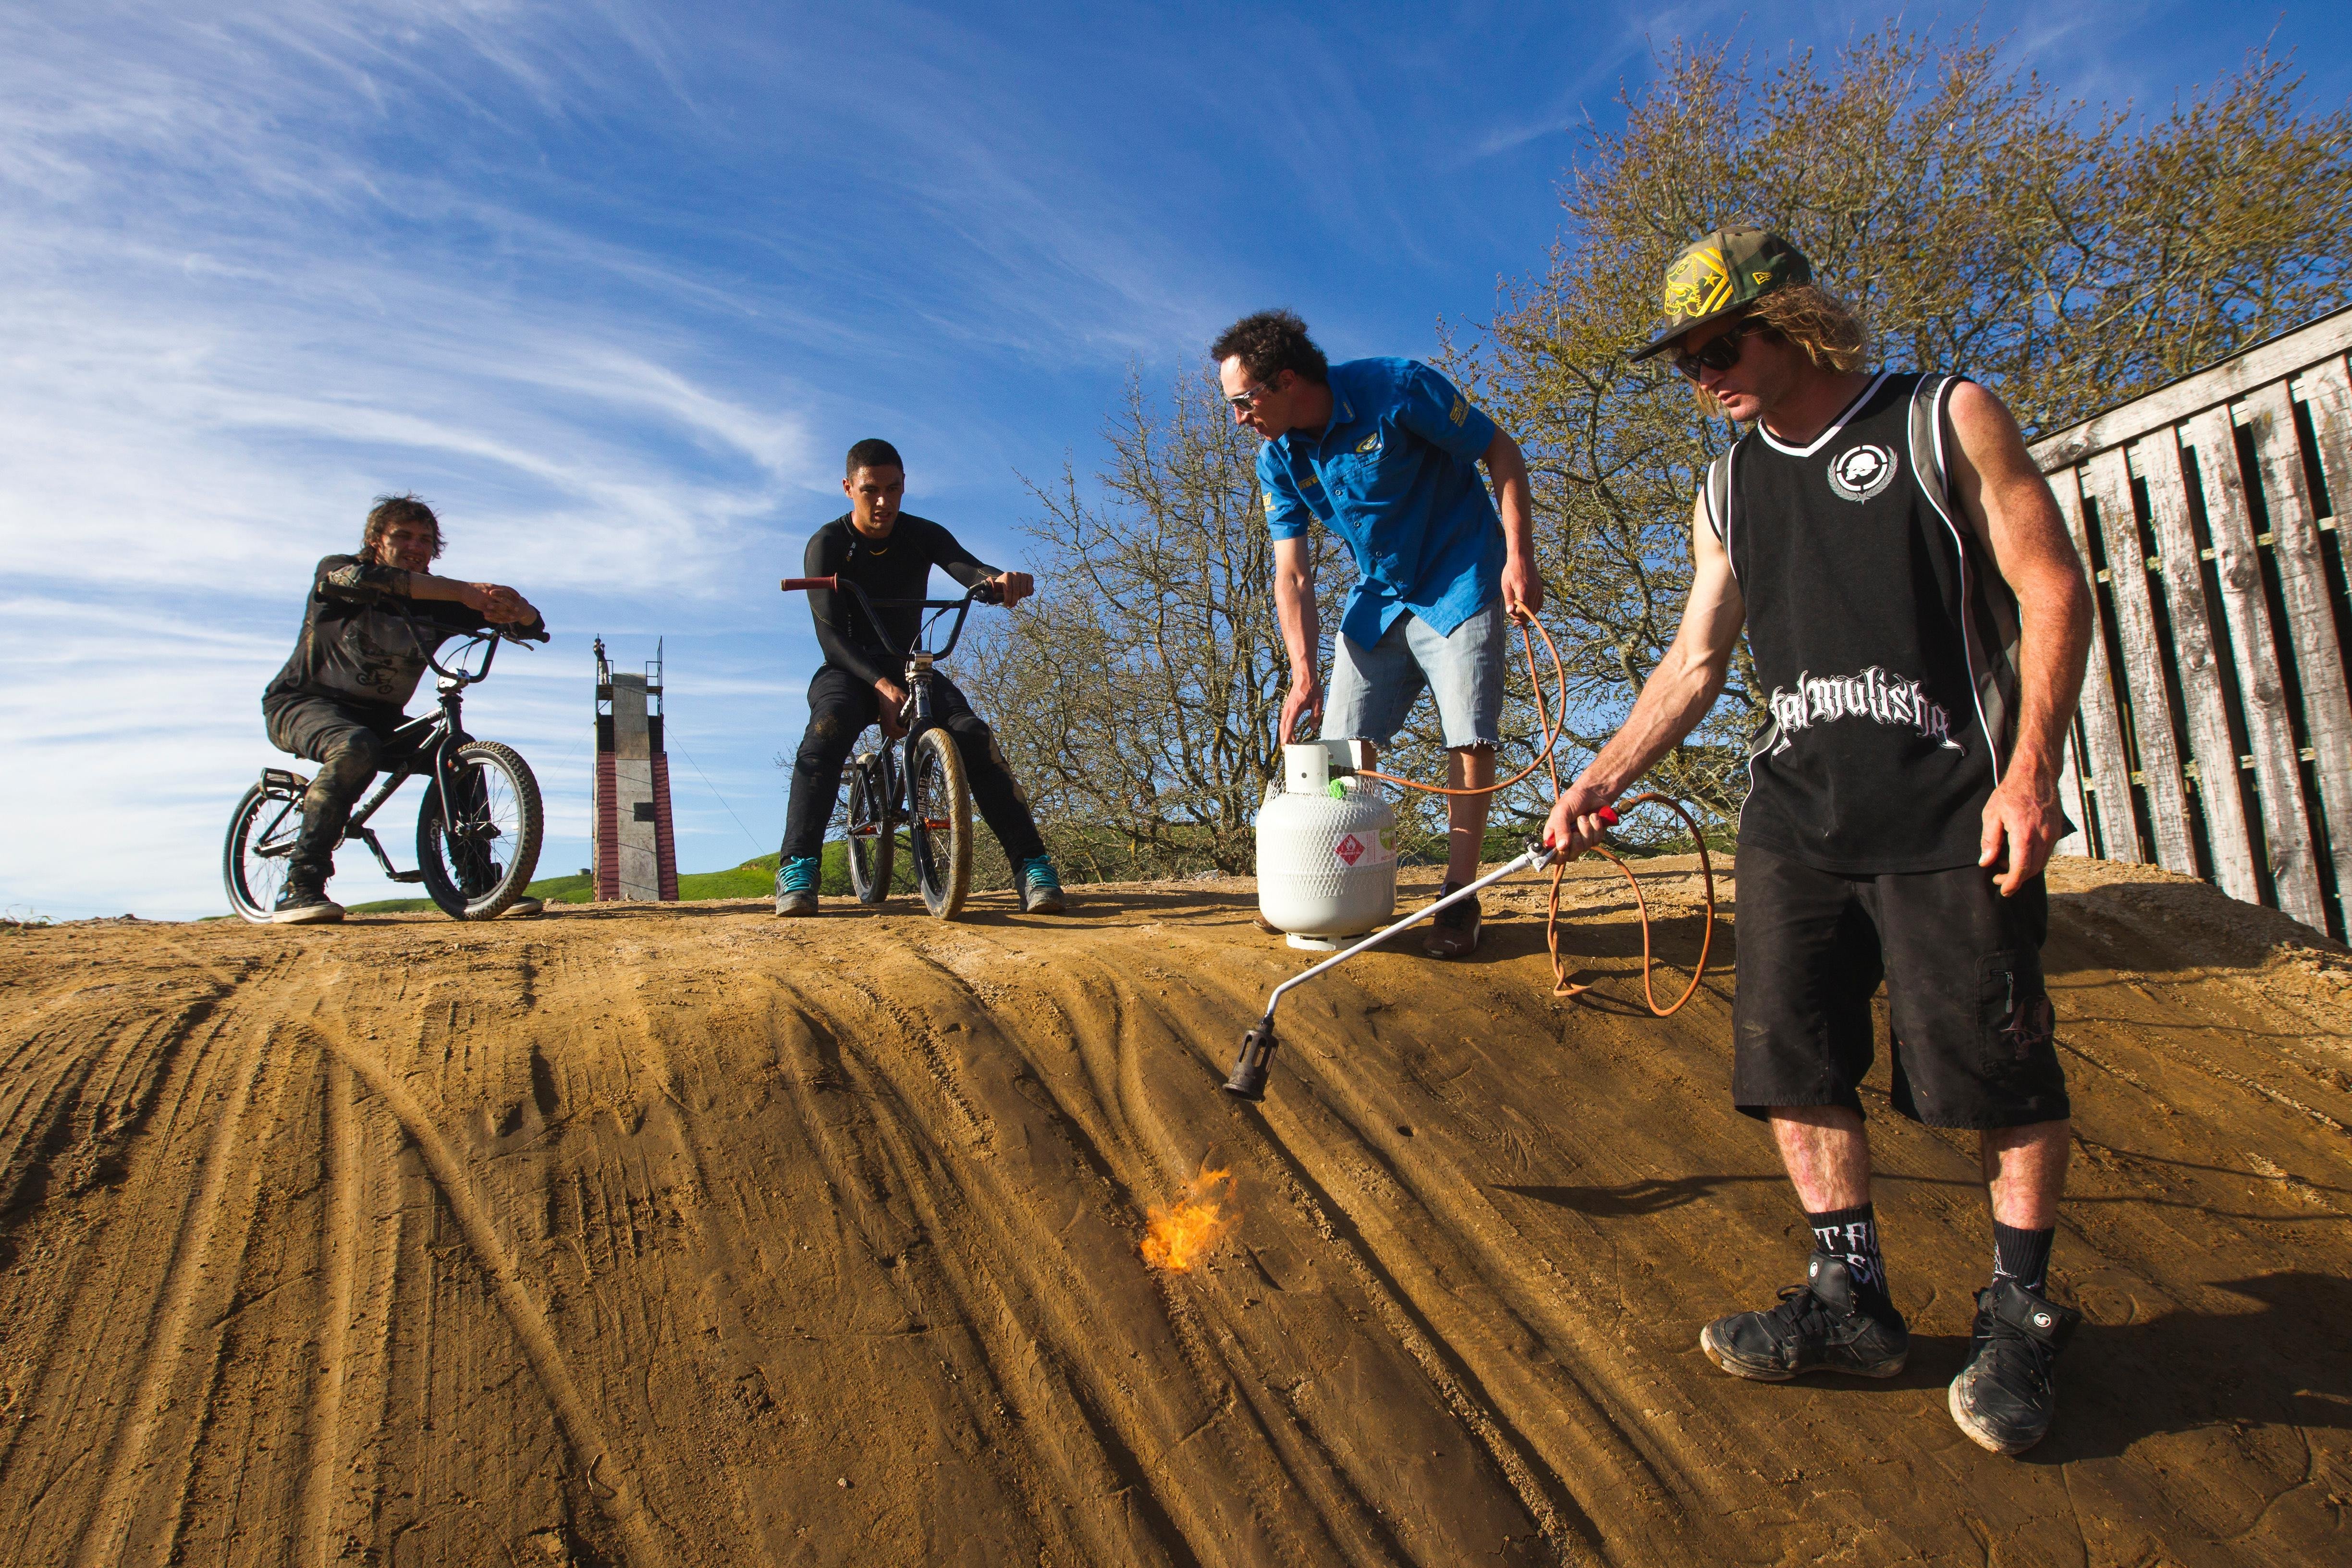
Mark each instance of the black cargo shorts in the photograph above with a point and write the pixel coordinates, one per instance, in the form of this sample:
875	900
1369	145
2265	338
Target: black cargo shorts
1973	1040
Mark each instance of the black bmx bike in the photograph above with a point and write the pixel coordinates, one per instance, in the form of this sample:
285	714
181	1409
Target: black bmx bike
477	829
915	783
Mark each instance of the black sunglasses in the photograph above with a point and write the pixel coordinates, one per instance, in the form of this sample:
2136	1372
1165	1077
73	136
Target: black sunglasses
1717	353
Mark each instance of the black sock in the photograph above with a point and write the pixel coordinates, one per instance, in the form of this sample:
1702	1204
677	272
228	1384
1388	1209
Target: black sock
2022	1255
1852	1235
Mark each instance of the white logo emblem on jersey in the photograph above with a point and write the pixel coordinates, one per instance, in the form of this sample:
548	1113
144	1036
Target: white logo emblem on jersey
1874	694
1860	472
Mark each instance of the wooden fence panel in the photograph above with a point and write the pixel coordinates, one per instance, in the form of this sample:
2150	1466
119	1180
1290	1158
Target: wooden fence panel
2256	659
2278	772
2107	780
2218	798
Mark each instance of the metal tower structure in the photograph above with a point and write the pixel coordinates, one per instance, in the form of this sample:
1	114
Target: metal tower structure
637	853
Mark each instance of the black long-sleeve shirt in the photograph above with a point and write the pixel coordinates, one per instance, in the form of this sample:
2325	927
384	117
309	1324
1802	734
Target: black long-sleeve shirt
364	641
898	567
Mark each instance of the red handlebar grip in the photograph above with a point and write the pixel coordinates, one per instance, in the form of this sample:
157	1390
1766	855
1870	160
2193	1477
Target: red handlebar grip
793	584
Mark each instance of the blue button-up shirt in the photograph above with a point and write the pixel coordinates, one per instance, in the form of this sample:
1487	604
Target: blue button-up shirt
1395	474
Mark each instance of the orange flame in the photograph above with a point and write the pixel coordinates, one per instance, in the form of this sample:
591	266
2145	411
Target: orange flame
1187	1230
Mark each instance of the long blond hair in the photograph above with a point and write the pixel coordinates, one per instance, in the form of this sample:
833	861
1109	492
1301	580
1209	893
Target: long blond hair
1813	318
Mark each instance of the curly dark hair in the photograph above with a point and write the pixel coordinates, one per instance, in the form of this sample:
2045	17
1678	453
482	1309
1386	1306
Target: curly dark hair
389	512
1269	342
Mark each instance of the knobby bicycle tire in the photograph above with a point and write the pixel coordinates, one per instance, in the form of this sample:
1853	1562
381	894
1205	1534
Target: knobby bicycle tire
462	870
941	796
242	869
871	843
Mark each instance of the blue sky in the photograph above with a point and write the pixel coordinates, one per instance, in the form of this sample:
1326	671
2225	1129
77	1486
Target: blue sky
614	285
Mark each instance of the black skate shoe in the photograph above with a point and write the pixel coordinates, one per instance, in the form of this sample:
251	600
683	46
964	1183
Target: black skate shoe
2005	1398
1818	1326
303	900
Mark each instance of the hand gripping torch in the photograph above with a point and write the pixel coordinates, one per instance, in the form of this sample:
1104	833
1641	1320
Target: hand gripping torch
1248	1080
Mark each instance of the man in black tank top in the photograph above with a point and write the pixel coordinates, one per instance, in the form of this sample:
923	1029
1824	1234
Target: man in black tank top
1919	620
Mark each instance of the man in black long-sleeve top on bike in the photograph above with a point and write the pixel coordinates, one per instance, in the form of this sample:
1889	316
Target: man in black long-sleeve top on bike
371	622
890	553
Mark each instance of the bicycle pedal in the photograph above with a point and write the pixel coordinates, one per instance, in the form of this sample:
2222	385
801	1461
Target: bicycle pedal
405	876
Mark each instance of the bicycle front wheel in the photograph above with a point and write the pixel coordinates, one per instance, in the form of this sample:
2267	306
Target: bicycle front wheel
939	832
261	834
872	841
479	859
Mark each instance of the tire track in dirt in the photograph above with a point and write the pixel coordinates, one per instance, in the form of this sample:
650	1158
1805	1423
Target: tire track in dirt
314	1520
600	1465
104	1540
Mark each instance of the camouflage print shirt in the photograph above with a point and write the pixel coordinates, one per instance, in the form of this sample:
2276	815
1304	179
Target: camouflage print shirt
364	641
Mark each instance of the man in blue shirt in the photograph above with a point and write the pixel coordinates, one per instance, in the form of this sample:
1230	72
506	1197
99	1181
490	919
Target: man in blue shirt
1385	453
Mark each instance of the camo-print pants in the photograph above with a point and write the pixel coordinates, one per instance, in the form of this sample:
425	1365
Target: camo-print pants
350	743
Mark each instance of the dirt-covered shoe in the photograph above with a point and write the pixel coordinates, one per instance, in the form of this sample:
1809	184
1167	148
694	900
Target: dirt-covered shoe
1455	933
2005	1397
1041	888
797	876
1822	1325
303	901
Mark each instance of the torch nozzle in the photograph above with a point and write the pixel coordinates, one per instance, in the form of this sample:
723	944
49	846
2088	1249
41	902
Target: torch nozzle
1248	1080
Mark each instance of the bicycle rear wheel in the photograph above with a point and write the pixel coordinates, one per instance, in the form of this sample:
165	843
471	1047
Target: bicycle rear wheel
939	832
478	865
261	834
873	842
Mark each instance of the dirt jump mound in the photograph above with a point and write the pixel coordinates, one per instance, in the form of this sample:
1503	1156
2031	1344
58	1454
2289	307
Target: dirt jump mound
689	1235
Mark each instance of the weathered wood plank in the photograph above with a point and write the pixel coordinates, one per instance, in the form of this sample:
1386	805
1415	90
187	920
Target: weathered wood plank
2107	482
2310	614
2107	770
2278	774
2328	391
2157	460
2233	378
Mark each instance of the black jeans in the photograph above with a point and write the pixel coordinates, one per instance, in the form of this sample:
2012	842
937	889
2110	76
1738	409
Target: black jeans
840	707
350	743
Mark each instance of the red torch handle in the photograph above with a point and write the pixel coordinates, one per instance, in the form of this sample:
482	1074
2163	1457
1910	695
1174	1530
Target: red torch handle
791	584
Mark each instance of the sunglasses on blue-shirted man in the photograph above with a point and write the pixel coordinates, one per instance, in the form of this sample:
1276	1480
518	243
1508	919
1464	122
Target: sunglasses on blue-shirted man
1242	402
1719	353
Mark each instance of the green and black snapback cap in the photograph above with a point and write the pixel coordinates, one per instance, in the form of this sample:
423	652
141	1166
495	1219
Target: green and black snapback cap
1720	274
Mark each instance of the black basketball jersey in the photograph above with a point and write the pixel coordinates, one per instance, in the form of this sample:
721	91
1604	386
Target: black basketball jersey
1884	641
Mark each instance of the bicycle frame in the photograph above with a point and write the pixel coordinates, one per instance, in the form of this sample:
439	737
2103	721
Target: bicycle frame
896	757
430	738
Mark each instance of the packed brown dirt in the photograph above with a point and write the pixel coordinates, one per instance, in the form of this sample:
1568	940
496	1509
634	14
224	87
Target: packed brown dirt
689	1235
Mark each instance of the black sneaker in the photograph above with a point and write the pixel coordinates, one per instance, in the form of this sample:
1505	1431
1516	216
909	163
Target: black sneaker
303	900
2005	1398
1822	1325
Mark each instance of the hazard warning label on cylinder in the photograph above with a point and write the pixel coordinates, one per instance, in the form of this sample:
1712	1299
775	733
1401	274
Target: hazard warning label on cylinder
1350	849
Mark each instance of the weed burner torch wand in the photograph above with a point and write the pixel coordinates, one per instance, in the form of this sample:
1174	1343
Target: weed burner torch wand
1248	1080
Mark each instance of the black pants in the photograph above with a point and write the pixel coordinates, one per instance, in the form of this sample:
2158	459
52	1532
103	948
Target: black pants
840	707
1973	1041
350	743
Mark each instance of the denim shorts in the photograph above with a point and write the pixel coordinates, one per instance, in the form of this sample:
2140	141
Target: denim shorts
1373	689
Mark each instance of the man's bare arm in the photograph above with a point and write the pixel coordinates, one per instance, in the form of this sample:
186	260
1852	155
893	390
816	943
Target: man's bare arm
1514	501
2008	503
1293	608
1676	698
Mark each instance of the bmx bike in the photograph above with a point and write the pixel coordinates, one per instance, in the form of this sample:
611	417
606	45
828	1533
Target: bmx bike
918	781
477	829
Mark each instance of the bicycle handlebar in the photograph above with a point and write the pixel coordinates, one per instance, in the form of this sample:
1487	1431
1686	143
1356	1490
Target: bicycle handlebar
985	592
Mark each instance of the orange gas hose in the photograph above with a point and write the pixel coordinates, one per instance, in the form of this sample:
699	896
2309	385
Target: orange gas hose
1547	757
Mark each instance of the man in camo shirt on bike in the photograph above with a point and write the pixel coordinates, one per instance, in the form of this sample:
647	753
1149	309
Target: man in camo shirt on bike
363	650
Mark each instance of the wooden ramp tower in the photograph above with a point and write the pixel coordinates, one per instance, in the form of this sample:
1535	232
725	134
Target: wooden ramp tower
637	853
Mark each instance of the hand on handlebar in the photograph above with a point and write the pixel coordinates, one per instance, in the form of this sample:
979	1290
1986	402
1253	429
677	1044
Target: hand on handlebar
497	603
1011	587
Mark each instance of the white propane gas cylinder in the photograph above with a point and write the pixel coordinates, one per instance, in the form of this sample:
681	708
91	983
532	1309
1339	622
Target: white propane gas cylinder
1326	846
